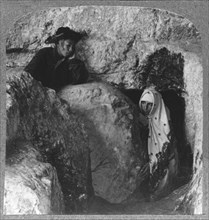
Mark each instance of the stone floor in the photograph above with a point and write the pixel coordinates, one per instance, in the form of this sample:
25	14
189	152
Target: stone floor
143	206
164	206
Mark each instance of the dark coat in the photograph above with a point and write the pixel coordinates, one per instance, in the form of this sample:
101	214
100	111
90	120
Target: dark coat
54	71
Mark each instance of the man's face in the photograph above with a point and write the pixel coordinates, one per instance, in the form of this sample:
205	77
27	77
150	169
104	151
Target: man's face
66	48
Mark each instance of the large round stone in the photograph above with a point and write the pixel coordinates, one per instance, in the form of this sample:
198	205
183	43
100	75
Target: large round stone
115	131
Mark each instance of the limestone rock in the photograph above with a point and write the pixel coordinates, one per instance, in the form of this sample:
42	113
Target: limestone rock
112	22
119	148
119	41
31	186
191	201
193	77
36	114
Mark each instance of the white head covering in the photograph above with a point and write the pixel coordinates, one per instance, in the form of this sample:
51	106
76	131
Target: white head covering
147	98
159	128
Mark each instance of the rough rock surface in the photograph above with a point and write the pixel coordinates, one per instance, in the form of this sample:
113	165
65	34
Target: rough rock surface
122	42
31	186
93	118
119	41
193	78
118	124
37	115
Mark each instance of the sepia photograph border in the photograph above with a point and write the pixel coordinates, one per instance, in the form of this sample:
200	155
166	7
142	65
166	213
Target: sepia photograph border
197	11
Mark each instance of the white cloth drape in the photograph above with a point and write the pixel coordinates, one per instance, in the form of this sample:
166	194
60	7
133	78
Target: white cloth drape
159	129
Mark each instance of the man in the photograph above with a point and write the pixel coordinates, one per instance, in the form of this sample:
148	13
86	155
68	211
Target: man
56	67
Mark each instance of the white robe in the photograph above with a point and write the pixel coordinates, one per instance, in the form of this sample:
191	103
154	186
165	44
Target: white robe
159	139
159	129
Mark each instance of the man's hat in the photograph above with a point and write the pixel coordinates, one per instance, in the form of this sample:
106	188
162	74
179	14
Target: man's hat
65	33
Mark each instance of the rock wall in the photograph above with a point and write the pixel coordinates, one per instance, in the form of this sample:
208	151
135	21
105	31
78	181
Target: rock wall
36	115
117	50
119	38
193	78
31	186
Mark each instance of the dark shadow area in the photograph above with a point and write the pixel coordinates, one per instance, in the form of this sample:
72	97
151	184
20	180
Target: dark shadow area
76	184
176	105
164	69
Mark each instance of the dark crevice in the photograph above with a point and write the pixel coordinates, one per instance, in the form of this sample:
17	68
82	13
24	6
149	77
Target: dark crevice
176	105
129	46
164	69
16	50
